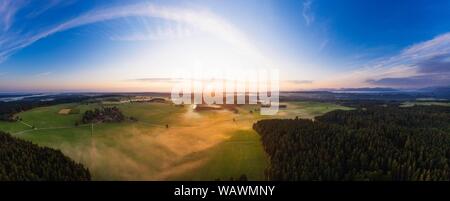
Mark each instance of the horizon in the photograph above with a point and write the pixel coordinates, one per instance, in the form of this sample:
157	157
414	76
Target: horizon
136	46
344	89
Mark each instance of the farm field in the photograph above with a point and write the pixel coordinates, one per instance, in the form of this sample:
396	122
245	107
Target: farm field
205	145
424	103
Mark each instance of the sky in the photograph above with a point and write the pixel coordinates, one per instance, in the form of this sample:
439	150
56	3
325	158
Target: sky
138	45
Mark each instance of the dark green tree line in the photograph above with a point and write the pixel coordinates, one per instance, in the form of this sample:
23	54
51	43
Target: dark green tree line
24	161
377	143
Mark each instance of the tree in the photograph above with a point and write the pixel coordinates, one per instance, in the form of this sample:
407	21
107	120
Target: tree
243	177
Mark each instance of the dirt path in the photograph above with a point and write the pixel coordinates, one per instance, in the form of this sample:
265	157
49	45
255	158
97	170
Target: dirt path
22	122
49	128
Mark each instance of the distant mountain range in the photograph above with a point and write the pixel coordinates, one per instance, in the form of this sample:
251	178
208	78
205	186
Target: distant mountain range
437	92
445	89
442	92
368	89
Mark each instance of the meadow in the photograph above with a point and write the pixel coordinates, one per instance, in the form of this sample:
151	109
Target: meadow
205	145
424	103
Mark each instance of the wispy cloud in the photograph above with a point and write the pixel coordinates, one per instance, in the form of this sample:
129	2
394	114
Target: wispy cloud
154	79
323	45
43	74
8	9
307	12
299	81
198	19
169	31
48	5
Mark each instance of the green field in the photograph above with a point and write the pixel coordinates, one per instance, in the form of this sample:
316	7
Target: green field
308	109
205	145
241	154
424	103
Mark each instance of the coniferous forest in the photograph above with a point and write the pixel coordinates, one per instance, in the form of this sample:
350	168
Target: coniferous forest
375	143
24	161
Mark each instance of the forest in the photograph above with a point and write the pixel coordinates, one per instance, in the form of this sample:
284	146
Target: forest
24	161
373	143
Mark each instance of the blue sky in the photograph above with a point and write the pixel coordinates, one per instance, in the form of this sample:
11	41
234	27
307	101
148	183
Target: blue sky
114	45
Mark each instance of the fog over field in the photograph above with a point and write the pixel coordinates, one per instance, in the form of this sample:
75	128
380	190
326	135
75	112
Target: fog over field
168	142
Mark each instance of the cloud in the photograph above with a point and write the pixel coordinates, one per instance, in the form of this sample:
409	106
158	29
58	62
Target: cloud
8	9
48	5
307	12
198	19
43	74
420	65
437	64
414	81
170	31
155	79
299	81
323	45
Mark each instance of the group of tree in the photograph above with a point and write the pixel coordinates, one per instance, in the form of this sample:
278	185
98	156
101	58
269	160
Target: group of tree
24	161
106	114
9	109
8	117
374	143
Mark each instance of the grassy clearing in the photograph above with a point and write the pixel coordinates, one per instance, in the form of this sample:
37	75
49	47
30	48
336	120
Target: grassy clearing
309	110
301	109
45	117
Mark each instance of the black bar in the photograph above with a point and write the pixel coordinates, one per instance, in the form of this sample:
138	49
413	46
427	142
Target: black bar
166	190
